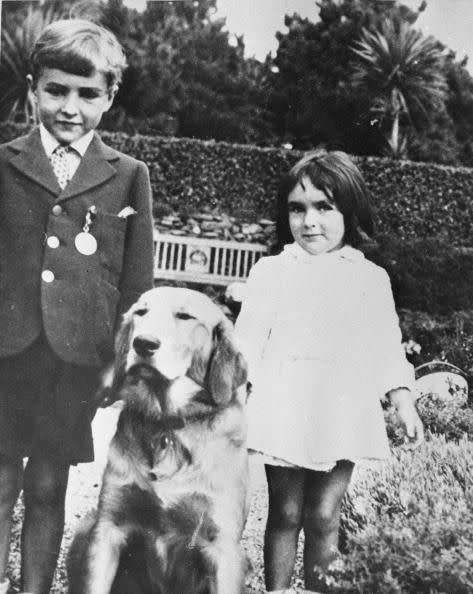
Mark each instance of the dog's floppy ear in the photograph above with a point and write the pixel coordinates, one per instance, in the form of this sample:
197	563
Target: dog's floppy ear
122	347
112	376
227	367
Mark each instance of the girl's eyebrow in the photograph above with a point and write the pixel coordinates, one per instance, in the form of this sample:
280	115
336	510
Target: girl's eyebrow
315	203
52	83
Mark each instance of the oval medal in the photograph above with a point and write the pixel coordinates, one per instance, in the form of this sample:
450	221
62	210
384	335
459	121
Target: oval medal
85	243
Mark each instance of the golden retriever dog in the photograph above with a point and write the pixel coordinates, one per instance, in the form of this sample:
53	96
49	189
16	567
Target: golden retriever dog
174	496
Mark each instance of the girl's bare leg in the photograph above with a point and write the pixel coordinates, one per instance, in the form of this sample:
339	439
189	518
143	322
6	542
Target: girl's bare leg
286	498
324	493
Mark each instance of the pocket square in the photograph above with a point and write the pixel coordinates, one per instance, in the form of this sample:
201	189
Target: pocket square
126	212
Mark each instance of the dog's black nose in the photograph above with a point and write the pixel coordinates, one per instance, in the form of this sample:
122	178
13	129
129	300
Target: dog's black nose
145	346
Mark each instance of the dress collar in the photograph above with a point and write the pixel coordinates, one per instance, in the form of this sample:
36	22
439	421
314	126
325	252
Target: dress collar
297	253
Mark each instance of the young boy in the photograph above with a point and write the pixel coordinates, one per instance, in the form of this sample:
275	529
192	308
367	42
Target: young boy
76	250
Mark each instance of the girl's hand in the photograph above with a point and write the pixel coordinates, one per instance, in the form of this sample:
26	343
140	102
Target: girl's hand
402	399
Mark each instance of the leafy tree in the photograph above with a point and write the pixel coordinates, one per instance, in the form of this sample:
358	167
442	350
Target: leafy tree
185	77
313	99
21	27
447	136
460	107
403	73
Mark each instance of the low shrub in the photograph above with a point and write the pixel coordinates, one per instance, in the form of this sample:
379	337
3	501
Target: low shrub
446	337
408	527
448	419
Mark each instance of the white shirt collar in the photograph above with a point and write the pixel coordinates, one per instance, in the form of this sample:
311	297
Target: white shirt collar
50	143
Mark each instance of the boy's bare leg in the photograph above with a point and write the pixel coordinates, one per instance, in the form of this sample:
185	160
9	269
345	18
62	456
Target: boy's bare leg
10	485
45	484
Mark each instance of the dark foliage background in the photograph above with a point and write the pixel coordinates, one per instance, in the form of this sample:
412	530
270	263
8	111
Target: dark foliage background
424	212
412	200
188	77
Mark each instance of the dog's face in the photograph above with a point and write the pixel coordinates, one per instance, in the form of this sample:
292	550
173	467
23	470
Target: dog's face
168	326
181	333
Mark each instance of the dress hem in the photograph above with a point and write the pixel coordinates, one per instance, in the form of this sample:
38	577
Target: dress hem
317	466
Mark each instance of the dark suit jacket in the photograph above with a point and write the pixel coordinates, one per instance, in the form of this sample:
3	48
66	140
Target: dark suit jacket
79	303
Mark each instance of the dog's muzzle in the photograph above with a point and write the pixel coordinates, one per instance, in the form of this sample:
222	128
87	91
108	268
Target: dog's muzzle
145	346
149	374
143	375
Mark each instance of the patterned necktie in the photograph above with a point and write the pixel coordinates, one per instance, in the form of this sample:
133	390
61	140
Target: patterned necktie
60	165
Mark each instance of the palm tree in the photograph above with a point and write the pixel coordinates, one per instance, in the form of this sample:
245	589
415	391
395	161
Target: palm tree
18	39
403	73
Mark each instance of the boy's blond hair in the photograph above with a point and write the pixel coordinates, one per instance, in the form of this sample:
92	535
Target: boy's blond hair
79	47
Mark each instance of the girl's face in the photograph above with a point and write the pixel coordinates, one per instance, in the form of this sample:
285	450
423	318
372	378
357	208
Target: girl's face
314	219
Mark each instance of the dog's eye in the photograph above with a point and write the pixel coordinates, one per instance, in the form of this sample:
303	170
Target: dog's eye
164	442
141	312
182	315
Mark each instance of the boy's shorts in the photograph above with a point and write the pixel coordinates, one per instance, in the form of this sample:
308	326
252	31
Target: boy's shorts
46	405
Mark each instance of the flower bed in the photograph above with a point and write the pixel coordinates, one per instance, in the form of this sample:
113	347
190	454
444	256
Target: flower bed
214	225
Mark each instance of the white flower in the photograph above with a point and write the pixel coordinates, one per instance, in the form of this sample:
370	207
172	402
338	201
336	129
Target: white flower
411	347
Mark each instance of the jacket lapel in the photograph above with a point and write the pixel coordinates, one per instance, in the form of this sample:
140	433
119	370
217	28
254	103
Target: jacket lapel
95	168
33	163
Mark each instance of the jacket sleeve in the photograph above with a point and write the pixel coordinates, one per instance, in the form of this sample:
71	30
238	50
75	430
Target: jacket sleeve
253	325
138	264
394	369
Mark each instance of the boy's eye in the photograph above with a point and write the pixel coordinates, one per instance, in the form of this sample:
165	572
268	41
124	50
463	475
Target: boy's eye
90	93
55	90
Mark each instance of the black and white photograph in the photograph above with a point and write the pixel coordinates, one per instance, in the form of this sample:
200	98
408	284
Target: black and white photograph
236	297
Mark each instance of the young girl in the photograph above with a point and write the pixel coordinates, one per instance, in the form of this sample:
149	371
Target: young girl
322	339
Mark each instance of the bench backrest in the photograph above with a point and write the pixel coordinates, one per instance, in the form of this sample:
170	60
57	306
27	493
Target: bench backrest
204	260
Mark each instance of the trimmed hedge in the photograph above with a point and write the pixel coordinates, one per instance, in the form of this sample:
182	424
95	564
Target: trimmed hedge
412	200
426	274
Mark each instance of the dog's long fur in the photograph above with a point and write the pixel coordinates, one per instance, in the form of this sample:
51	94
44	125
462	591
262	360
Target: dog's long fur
174	499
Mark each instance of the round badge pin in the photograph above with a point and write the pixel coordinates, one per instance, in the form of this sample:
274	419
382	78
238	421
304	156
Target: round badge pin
85	243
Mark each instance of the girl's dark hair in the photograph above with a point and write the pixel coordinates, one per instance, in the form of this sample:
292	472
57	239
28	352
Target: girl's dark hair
336	175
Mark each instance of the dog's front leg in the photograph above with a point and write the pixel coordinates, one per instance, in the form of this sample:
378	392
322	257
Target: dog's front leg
103	557
231	568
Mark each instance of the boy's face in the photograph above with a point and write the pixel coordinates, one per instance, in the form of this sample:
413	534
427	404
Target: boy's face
70	105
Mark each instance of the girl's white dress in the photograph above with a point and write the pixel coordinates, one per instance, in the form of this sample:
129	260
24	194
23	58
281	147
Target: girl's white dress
322	340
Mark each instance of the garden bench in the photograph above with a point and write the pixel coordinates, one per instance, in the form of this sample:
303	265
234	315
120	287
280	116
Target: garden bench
204	260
